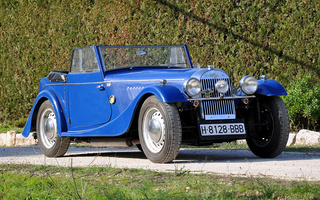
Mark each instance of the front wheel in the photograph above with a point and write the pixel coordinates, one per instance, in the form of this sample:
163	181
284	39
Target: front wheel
270	137
51	144
160	130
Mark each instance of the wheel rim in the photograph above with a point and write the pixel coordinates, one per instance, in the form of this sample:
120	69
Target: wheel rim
154	130
48	128
266	133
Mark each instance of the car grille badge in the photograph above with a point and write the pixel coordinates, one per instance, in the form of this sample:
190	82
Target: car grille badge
207	93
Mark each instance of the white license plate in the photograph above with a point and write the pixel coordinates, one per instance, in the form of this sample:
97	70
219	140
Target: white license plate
222	129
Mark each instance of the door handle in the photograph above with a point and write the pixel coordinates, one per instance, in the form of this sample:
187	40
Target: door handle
100	87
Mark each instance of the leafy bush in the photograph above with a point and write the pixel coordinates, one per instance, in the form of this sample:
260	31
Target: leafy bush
4	128
277	38
20	122
303	102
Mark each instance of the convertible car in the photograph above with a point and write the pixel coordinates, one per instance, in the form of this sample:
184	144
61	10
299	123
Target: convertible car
156	98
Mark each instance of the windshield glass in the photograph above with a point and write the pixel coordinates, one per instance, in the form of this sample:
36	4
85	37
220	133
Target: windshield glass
137	56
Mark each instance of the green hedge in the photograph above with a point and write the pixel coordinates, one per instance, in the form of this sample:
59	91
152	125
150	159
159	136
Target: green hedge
303	103
277	38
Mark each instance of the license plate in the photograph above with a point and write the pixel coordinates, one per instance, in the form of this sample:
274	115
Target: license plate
222	129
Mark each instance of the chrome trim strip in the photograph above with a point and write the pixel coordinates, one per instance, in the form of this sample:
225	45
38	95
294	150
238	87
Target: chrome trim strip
150	80
91	83
126	81
219	98
220	117
52	85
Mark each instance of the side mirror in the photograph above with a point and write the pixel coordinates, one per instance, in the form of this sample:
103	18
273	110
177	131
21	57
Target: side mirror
141	52
196	65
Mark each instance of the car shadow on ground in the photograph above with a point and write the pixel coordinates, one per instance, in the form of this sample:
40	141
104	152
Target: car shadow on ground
186	155
199	155
116	154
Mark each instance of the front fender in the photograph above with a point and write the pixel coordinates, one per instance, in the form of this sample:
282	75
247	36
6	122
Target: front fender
55	102
270	88
166	93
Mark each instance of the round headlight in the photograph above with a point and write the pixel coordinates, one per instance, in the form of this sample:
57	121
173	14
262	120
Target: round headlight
193	87
222	86
248	84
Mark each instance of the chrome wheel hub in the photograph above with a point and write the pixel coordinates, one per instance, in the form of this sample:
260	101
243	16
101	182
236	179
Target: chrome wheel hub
154	130
48	128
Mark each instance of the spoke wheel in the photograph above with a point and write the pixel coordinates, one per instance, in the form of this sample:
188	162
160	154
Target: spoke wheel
270	138
51	144
159	130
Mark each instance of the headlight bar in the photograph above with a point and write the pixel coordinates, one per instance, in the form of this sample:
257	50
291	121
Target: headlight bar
222	97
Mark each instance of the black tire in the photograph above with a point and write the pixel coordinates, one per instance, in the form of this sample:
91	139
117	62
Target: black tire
160	130
49	141
270	139
139	147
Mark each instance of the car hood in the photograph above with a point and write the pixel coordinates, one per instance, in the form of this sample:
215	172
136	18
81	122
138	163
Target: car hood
129	85
143	74
140	74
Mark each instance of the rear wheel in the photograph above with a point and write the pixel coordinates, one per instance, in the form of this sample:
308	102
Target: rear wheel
270	138
51	144
160	130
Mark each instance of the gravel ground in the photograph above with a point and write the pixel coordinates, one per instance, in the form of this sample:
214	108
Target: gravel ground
289	165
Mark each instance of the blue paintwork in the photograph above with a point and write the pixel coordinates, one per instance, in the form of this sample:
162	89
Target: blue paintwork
83	110
113	127
90	105
127	84
166	93
270	88
50	95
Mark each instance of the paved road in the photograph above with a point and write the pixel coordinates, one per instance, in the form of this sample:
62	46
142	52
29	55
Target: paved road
289	165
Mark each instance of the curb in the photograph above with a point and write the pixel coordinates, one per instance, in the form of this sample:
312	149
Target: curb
13	138
303	137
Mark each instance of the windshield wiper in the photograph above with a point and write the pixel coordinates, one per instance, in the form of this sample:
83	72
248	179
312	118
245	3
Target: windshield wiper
139	53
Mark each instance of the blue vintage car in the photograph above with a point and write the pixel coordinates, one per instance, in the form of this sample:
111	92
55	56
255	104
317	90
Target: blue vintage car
156	98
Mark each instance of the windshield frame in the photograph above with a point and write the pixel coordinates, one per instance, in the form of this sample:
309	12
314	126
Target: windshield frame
185	48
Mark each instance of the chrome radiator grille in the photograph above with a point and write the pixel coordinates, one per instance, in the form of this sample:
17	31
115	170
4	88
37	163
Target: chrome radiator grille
216	109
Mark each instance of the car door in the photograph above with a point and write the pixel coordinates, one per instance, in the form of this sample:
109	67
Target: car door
87	99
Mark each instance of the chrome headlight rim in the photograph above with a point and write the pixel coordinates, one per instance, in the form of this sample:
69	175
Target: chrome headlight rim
190	88
249	84
222	86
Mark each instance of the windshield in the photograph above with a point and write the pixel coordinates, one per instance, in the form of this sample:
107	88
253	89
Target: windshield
137	56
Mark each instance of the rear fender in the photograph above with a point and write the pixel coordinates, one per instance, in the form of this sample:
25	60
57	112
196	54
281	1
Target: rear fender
55	102
270	88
